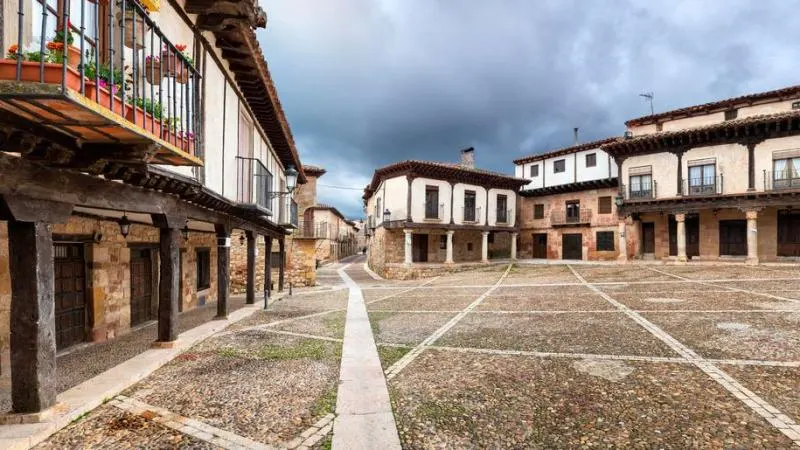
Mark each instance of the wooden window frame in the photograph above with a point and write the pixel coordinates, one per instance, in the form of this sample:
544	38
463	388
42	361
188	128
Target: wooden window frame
591	160
731	114
534	172
431	210
560	166
203	274
538	211
608	242
604	205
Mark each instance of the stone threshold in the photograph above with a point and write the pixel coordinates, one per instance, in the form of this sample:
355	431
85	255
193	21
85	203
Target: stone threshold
93	392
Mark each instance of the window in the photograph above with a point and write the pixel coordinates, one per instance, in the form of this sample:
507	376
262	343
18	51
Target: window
275	259
431	202
469	246
604	205
502	208
573	211
796	105
604	241
559	166
469	206
534	171
786	173
378	212
203	268
591	159
641	186
731	114
491	238
660	126
442	242
702	179
538	211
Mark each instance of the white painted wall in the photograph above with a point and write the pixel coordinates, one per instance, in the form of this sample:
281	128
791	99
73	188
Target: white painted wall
665	172
731	162
605	168
458	203
392	194
763	156
511	202
418	200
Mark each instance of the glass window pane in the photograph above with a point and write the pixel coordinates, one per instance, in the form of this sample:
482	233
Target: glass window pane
695	175
709	173
88	22
779	167
49	27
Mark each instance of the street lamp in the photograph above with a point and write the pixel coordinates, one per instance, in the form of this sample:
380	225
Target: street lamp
291	178
124	226
185	231
619	200
386	216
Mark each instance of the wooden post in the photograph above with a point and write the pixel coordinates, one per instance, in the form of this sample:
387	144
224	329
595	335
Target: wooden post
281	263
251	267
223	263
33	326
169	284
267	266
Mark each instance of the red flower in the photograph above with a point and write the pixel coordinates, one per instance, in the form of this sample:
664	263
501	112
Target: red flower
12	50
180	47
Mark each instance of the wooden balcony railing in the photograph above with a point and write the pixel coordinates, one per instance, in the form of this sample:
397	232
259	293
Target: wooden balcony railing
560	218
109	77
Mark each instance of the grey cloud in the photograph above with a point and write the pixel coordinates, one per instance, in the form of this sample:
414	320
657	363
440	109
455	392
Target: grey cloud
365	83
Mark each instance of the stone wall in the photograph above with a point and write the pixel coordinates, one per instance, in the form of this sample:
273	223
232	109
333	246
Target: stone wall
190	296
300	265
556	203
402	272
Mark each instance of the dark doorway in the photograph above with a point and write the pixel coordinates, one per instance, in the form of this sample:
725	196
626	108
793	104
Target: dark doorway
788	233
572	246
70	295
540	245
573	211
419	248
733	237
692	235
141	286
648	237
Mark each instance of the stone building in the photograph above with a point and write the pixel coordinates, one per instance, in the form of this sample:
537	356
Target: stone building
717	181
117	207
567	209
426	217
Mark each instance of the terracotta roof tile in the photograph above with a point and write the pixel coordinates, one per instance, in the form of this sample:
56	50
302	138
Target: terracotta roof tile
564	151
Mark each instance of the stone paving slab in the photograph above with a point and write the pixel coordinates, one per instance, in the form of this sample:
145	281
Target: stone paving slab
478	277
619	273
609	333
709	272
585	301
406	328
539	274
778	287
445	400
328	325
756	335
778	385
431	302
698	300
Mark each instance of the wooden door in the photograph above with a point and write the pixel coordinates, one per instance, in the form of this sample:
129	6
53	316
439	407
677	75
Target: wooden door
673	236
540	245
733	237
70	294
420	248
692	235
789	233
572	246
648	237
141	286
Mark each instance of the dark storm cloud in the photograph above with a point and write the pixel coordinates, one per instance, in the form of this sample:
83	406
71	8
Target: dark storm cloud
365	83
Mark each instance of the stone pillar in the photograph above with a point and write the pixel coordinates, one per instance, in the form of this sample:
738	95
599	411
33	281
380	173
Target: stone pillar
281	262
251	268
485	247
33	326
267	269
449	259
514	246
681	232
407	247
223	270
623	242
169	284
752	236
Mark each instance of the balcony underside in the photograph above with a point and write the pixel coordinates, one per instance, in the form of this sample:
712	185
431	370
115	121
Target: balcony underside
76	117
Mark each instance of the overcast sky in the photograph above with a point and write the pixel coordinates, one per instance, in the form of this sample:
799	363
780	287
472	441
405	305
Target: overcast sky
368	82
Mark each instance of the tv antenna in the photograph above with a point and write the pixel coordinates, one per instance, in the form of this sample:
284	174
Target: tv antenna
649	96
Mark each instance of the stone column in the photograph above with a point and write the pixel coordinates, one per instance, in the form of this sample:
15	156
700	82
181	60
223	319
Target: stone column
281	262
623	242
267	269
514	246
449	259
251	268
485	247
407	246
223	270
752	236
681	231
33	326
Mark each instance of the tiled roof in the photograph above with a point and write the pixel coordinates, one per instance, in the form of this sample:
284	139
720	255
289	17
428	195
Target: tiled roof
315	171
783	93
444	171
564	151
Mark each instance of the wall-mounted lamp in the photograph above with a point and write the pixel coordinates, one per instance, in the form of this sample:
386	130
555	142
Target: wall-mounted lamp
124	225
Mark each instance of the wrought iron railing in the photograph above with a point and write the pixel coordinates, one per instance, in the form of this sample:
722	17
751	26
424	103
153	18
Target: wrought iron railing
471	215
434	212
639	192
312	229
293	219
504	216
703	186
781	180
253	182
560	217
123	62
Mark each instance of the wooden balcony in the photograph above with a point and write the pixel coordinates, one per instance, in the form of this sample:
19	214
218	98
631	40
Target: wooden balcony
75	109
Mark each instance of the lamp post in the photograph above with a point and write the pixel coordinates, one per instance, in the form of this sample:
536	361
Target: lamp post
387	215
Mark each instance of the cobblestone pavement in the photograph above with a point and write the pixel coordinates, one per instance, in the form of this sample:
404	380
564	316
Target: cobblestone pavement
558	356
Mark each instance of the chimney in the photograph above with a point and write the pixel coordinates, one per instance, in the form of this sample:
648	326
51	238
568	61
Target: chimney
468	158
575	131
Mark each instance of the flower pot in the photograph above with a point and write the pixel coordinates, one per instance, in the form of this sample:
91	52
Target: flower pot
144	120
174	67
31	71
102	96
182	74
73	56
132	18
152	71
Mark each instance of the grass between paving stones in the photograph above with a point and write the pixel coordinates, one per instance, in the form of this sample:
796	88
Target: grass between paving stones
326	403
335	323
390	354
305	348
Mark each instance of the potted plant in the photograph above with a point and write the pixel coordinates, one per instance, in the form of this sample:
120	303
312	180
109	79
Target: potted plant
62	39
32	65
133	19
175	66
146	113
109	84
152	69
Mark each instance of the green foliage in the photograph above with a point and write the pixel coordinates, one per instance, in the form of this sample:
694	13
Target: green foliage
325	404
148	105
104	73
390	355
